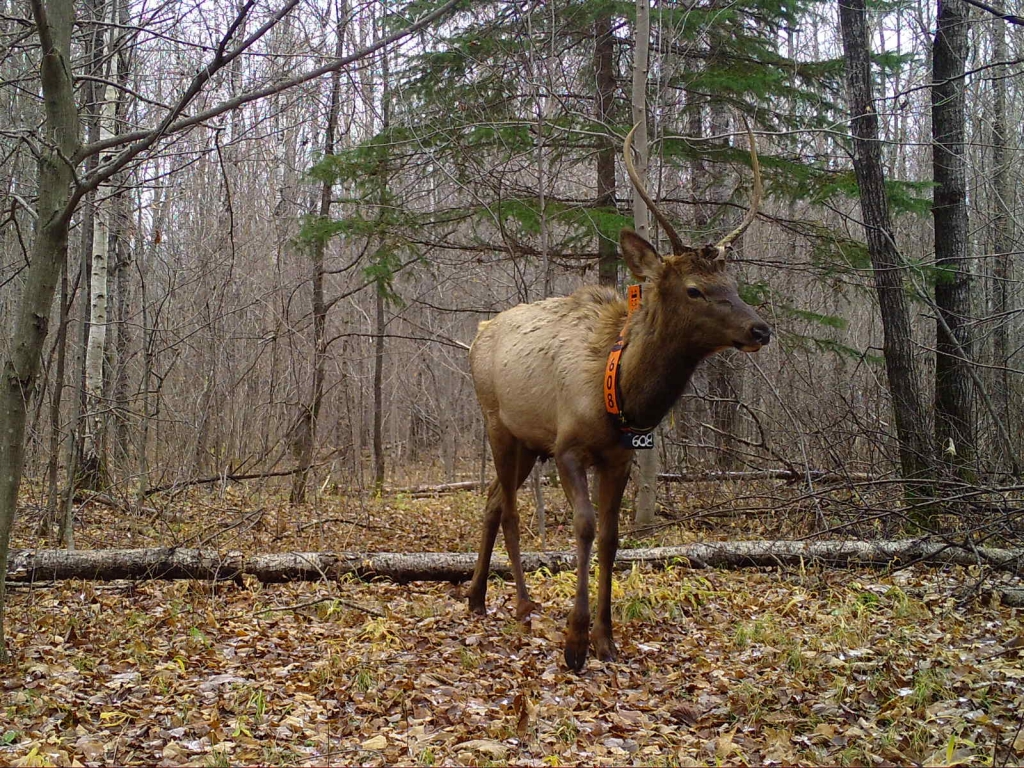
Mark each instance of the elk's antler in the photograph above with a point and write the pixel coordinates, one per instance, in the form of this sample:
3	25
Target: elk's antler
627	151
755	199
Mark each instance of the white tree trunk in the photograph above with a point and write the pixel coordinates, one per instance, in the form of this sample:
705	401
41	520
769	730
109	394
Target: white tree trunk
647	482
92	459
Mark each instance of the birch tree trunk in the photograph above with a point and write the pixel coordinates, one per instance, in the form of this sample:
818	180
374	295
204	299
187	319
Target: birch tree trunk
61	139
647	461
93	469
915	447
954	414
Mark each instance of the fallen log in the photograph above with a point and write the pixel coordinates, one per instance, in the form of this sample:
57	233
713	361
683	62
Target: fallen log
789	475
434	490
182	563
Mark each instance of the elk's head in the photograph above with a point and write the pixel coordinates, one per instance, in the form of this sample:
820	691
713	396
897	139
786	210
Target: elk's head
692	290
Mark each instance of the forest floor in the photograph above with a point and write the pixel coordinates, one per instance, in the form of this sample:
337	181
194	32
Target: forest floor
812	666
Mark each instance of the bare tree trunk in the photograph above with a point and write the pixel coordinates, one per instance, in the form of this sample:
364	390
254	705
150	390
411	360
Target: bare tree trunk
954	413
604	50
378	396
122	328
124	244
146	384
904	382
92	91
61	140
1003	239
647	482
379	327
93	470
51	516
311	414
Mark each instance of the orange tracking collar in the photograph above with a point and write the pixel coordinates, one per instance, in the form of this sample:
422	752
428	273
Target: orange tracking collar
612	393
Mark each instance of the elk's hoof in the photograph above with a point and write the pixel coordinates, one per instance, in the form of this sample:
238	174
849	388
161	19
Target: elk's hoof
524	608
576	653
604	649
477	606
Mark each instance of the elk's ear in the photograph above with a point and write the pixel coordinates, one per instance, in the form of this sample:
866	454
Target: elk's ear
643	261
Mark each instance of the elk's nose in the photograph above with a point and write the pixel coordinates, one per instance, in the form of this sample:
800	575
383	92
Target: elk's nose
761	332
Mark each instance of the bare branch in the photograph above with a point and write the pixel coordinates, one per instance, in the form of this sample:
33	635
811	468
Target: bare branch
1008	17
144	139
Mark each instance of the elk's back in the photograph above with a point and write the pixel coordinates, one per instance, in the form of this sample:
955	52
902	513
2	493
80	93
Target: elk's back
538	367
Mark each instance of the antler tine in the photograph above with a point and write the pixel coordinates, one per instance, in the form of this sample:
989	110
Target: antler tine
755	200
627	151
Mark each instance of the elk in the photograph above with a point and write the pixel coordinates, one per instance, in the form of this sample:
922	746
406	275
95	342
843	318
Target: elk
539	372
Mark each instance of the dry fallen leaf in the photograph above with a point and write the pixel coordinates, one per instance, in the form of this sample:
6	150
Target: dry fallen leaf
808	667
376	743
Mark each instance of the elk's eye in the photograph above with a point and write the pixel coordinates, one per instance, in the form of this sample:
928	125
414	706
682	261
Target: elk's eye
694	293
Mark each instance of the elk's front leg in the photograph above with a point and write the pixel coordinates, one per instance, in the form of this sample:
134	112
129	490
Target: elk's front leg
611	485
573	475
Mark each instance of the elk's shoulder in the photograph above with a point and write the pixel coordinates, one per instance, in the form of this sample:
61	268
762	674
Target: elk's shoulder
588	315
595	295
591	309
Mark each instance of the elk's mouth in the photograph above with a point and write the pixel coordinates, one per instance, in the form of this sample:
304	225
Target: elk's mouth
748	347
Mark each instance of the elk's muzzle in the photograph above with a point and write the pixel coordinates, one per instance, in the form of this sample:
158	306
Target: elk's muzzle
760	334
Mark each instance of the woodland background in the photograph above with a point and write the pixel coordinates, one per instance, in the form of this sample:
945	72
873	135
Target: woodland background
281	292
281	236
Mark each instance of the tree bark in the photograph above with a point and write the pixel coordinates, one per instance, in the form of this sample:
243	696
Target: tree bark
124	244
93	469
647	461
604	62
61	134
915	447
954	413
120	450
51	517
1002	240
171	563
378	396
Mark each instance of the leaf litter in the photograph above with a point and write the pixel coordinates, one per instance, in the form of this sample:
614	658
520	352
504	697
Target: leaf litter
752	667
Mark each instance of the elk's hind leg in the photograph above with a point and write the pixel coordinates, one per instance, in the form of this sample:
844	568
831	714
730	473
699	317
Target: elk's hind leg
516	474
513	463
492	518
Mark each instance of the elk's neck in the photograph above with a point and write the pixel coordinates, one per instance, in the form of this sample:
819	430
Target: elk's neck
655	368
